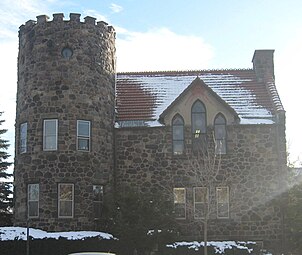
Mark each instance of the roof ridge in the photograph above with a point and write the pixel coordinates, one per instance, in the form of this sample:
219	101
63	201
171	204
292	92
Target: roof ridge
185	71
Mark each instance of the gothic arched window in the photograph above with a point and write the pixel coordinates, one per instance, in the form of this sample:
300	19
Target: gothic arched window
178	135
220	134
199	125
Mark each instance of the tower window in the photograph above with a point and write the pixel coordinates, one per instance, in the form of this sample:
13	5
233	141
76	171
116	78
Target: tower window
83	135
220	134
50	135
67	53
23	138
65	200
33	200
178	135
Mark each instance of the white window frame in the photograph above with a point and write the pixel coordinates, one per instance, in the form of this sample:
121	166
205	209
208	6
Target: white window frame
206	203
23	138
219	203
30	201
84	137
54	135
183	203
60	201
97	203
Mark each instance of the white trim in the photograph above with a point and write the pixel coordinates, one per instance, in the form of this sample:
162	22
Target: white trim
228	202
55	135
72	201
28	201
204	202
84	137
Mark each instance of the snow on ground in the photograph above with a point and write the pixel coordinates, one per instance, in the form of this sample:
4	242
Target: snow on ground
218	246
19	233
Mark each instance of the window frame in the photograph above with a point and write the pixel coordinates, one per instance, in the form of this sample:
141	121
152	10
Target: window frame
30	201
23	138
219	203
206	202
55	135
66	200
182	140
218	150
97	203
200	141
183	203
88	138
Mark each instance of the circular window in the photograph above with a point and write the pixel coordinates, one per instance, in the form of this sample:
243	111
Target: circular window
67	53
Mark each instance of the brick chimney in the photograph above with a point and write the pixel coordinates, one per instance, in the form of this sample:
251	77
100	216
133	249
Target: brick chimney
263	64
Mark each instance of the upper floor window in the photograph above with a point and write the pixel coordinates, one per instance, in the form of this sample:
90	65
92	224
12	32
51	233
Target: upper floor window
199	125
223	204
50	135
23	138
180	202
65	200
220	134
178	135
83	135
98	196
33	200
201	202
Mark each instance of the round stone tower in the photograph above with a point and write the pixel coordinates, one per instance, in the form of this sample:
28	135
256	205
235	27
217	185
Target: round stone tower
64	123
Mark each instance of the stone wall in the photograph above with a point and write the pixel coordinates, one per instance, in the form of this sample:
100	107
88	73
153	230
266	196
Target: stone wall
78	87
251	169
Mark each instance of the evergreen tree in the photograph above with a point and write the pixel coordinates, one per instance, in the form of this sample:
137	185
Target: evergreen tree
5	186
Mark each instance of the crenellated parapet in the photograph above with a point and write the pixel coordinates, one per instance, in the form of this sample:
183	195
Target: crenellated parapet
58	19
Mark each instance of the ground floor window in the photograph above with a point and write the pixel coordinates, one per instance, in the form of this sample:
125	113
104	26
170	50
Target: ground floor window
222	197
201	202
180	202
33	191
98	197
65	200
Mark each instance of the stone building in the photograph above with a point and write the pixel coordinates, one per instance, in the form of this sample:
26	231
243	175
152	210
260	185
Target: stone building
213	140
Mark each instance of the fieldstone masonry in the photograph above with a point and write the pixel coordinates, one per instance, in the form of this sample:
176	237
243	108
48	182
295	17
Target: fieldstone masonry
81	86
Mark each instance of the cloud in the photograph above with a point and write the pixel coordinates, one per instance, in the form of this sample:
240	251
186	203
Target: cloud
116	8
288	82
161	49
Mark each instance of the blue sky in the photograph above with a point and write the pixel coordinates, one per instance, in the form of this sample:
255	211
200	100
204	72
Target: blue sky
176	35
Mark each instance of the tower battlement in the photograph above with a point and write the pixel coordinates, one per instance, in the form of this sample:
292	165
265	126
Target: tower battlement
58	18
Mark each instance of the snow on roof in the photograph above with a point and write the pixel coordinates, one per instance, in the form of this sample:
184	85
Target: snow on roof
19	233
219	246
144	96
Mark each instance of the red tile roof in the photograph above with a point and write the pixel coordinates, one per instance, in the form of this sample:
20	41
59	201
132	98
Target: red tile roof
142	97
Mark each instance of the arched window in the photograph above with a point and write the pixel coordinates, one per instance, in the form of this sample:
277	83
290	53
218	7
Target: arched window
220	134
199	125
178	135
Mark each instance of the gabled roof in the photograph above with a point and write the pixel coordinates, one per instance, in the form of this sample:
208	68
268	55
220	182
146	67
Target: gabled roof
143	96
199	82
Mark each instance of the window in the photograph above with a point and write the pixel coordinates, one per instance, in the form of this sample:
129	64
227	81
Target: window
33	200
222	196
65	200
83	134
23	138
98	195
180	202
50	135
220	134
201	202
199	125
178	135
